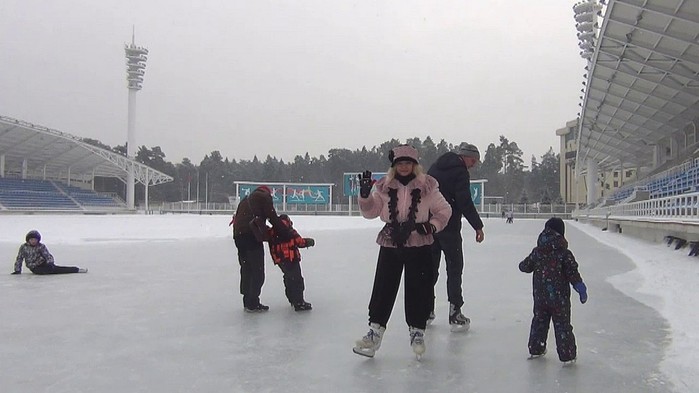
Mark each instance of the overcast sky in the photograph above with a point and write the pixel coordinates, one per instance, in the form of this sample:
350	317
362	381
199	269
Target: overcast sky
289	77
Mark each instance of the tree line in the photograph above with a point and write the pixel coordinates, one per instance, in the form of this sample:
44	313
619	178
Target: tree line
213	177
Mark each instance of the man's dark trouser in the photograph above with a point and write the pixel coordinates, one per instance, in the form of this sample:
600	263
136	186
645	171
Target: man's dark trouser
251	256
293	281
417	290
54	269
565	339
451	243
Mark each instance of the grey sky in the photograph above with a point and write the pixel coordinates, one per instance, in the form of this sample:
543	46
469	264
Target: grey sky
290	77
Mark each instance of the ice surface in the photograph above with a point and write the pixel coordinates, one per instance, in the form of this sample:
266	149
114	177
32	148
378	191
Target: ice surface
160	311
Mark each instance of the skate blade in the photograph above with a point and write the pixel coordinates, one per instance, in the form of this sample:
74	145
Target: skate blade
455	328
531	357
364	352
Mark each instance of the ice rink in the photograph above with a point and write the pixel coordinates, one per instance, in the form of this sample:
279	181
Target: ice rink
160	311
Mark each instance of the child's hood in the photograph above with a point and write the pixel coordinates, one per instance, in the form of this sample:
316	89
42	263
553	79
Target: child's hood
550	241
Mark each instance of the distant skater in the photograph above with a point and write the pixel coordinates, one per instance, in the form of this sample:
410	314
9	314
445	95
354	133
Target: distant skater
555	270
38	258
510	217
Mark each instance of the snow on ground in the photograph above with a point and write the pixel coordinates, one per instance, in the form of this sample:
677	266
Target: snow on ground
160	311
667	281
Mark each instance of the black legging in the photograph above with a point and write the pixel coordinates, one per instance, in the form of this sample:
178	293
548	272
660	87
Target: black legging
418	285
451	243
293	281
54	269
251	256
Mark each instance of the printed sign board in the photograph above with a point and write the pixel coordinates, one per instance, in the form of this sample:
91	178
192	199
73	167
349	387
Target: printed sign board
477	193
350	182
298	194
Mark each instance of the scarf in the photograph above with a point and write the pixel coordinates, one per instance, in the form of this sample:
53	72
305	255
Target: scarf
400	231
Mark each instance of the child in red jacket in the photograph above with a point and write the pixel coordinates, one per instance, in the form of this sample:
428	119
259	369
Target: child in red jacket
286	255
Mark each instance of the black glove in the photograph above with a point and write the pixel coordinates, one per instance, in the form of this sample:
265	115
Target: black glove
365	184
309	242
425	228
16	272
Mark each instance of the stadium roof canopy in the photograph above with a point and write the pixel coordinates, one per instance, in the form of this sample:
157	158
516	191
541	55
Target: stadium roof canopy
55	154
642	80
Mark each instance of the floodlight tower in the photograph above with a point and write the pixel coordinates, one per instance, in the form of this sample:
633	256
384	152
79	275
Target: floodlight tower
136	57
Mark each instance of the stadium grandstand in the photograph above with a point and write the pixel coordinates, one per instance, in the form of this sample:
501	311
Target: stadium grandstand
638	117
43	169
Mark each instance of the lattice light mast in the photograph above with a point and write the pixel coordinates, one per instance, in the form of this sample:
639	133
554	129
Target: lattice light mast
136	57
587	13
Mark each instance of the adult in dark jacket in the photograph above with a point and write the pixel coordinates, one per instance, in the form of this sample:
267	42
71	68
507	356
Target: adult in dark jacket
555	270
251	254
451	171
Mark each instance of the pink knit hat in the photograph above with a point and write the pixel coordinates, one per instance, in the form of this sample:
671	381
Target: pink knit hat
403	153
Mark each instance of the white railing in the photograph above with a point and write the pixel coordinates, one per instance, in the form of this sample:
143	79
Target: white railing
684	206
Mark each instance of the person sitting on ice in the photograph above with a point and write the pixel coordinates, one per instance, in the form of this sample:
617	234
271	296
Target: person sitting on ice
38	258
286	255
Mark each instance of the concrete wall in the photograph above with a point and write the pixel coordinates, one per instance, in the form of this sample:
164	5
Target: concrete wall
654	231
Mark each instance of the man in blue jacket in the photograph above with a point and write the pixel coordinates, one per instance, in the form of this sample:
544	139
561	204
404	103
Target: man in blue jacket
451	171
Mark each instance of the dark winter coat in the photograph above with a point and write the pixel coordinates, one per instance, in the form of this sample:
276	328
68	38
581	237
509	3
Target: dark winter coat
286	250
554	268
455	184
259	203
33	256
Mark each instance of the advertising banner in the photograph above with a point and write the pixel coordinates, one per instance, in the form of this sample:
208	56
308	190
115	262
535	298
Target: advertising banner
298	194
350	182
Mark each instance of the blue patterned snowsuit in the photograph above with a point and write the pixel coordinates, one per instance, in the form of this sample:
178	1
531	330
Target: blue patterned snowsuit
555	269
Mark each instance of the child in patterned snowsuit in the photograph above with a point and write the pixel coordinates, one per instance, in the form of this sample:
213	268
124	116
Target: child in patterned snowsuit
555	270
286	255
38	258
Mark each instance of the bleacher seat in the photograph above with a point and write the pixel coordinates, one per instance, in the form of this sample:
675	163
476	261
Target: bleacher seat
32	194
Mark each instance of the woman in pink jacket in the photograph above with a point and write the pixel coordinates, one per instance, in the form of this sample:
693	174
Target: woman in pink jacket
409	202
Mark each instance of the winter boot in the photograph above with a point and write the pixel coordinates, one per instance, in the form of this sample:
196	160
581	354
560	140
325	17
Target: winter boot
417	341
371	342
457	320
302	306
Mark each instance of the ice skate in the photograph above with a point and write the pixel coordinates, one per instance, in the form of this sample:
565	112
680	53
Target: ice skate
569	363
430	318
302	306
257	308
457	321
371	342
417	341
536	355
82	270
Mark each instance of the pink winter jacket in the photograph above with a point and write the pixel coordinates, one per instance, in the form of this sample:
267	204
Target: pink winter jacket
431	202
